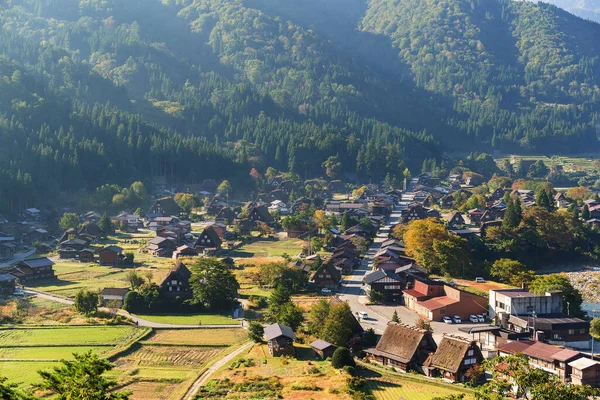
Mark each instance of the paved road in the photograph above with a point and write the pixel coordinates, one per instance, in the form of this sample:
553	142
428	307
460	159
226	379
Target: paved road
202	379
140	321
379	315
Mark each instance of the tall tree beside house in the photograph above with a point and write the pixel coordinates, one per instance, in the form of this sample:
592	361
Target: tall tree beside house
82	378
513	214
338	326
69	221
256	331
332	166
317	316
544	199
290	315
505	268
213	284
86	302
187	201
225	188
585	213
571	296
135	279
106	225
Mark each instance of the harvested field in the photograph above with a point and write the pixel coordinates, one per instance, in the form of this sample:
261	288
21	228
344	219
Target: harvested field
172	356
199	337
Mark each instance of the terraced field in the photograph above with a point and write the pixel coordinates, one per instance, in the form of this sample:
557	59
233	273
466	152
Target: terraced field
24	351
67	336
199	337
173	355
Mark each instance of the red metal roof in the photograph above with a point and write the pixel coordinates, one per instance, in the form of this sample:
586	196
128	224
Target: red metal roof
438	302
414	293
541	351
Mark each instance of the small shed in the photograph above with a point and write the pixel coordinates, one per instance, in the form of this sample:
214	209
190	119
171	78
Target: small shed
113	294
110	255
86	255
280	339
323	349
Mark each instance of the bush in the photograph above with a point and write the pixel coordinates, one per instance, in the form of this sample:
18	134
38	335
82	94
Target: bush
256	332
309	387
341	358
350	370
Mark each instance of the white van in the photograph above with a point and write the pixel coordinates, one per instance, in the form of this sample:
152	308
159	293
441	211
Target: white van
479	280
363	315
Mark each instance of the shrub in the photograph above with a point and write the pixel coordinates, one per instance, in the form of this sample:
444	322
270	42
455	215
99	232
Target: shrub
341	358
310	387
350	370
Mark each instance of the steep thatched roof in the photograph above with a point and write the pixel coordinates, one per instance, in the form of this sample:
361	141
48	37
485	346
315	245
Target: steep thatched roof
450	353
401	341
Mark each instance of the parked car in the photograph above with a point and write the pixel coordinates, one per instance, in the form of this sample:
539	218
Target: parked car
457	319
363	315
325	291
480	318
473	318
447	320
19	292
479	280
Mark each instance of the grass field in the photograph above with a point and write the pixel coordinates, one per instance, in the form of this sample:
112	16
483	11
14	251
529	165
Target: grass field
49	353
191	319
75	335
40	344
199	337
405	389
275	247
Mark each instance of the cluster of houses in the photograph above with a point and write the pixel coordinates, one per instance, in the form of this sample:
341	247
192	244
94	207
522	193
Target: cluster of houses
25	271
524	323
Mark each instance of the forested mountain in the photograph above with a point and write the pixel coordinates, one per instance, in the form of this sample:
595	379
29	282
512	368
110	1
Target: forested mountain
588	9
110	91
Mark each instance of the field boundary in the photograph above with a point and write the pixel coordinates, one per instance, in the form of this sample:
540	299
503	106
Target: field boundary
146	331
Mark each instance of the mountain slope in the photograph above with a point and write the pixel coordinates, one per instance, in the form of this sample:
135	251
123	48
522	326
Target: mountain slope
107	91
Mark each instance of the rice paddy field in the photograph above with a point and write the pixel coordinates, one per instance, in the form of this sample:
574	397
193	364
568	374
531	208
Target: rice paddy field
395	389
569	164
166	364
24	351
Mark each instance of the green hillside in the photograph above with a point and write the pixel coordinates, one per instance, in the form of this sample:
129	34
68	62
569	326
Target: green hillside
108	91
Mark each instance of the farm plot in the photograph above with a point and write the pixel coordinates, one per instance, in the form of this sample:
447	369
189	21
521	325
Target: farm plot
407	389
68	336
56	353
199	337
173	355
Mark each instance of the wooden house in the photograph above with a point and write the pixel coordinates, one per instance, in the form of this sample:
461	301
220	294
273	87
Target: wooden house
403	347
225	215
165	206
116	295
161	247
177	282
110	255
7	284
184	251
280	339
90	231
34	269
454	219
327	276
585	372
260	214
86	255
70	248
387	283
323	349
208	239
413	212
454	357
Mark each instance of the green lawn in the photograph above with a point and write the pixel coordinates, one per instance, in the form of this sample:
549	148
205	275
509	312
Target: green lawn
49	353
74	335
406	389
190	319
24	373
275	247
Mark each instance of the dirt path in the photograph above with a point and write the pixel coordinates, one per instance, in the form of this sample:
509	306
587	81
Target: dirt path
202	379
